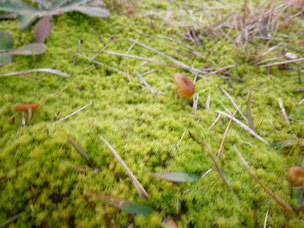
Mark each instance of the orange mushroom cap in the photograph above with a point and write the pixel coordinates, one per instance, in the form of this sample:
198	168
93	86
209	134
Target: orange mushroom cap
25	107
130	9
184	84
296	175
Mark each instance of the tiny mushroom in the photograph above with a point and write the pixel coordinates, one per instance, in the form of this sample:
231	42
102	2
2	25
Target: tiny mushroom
130	9
26	107
296	175
184	85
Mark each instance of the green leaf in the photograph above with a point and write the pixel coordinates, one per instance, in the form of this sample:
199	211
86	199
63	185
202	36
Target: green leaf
17	7
291	143
43	29
5	59
124	205
6	41
80	150
66	3
33	48
26	20
93	11
177	177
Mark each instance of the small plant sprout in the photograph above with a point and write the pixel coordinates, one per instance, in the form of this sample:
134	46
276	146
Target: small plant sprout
184	85
296	175
26	107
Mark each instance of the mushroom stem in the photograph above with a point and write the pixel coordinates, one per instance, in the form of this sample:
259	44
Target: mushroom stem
29	115
23	120
176	93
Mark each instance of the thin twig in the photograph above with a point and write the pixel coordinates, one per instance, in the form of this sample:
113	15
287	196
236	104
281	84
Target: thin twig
269	121
149	72
225	135
208	103
102	50
221	69
209	20
217	167
265	221
250	122
140	58
102	64
78	46
139	188
179	141
208	171
243	126
234	104
43	70
215	121
195	102
193	51
178	63
284	62
144	81
130	48
72	114
10	220
128	75
285	206
284	114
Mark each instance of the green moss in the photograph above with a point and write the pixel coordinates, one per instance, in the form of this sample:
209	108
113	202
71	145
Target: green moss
36	162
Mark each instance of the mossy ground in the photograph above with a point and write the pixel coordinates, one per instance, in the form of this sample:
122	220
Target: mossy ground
36	174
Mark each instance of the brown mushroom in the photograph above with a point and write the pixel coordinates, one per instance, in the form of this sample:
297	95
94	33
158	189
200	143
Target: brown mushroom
130	9
296	175
26	107
184	85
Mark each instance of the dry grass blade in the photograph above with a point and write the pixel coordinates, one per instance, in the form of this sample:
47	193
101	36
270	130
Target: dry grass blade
78	47
144	81
72	114
180	64
250	121
10	220
128	75
140	190
102	64
221	69
179	141
285	206
234	104
215	121
130	48
149	72
137	58
266	217
284	62
207	106
218	168
243	126
43	70
284	114
225	135
195	103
